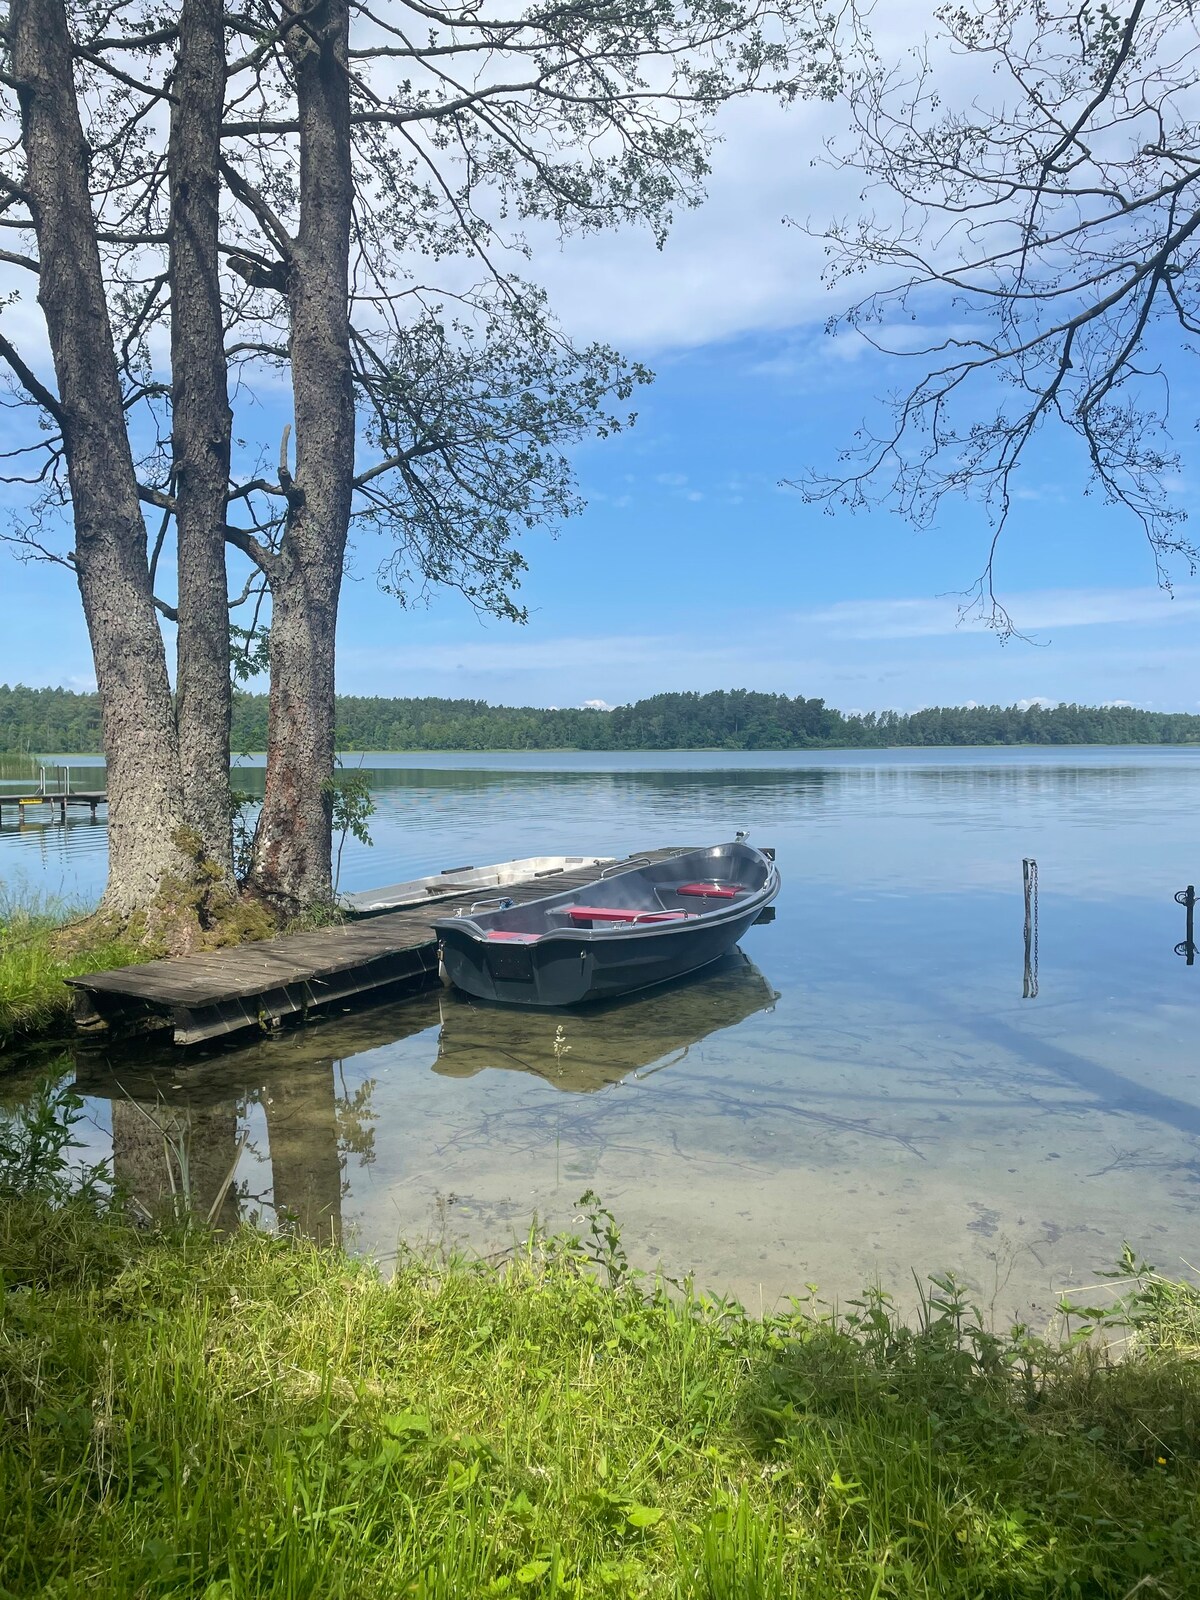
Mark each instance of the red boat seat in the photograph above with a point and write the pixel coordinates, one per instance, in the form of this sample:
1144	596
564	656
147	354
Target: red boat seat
610	914
498	936
712	891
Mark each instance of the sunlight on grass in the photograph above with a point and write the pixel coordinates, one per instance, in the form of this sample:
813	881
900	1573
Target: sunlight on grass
36	957
255	1416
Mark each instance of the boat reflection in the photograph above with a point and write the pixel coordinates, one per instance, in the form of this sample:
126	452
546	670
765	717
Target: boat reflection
582	1051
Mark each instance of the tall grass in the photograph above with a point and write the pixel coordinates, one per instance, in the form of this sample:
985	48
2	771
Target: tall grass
182	1415
37	956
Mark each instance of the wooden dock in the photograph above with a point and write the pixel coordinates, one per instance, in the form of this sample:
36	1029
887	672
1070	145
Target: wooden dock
220	992
91	798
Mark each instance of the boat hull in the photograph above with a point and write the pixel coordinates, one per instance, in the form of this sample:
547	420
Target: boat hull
522	957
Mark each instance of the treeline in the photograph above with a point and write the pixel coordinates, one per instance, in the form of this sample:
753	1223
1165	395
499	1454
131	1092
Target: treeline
50	720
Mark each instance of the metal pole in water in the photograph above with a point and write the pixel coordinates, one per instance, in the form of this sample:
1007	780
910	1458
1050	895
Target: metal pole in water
1029	877
1187	899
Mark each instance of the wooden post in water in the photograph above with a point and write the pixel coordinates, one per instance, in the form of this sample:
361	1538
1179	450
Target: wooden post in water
1029	877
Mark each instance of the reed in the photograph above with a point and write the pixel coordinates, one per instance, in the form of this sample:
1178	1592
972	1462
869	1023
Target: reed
254	1416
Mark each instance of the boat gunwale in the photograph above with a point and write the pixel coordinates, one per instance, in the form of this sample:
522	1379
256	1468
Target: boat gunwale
727	911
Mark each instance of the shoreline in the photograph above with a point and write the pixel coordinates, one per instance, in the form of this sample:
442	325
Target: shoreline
256	758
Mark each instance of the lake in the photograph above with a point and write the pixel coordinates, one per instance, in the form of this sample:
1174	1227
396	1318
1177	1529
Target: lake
862	1091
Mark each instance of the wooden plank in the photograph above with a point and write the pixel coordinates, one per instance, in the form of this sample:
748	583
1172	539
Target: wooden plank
217	992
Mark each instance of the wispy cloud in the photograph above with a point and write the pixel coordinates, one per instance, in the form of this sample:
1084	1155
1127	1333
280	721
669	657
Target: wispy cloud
1033	612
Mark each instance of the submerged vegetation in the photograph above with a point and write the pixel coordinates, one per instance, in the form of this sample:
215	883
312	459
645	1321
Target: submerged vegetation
253	1415
60	720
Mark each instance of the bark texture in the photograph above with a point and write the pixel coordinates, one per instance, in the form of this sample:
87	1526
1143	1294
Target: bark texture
201	424
292	847
138	719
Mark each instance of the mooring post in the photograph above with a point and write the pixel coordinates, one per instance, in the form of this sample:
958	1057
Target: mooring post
1029	877
1187	945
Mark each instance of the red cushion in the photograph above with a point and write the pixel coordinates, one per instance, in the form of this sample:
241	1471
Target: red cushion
609	914
711	891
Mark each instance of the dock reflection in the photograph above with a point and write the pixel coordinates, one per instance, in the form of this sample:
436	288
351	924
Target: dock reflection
586	1050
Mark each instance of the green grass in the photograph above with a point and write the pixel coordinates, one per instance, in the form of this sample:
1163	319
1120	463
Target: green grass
252	1416
36	958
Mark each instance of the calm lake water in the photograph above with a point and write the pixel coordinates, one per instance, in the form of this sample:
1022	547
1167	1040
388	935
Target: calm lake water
862	1091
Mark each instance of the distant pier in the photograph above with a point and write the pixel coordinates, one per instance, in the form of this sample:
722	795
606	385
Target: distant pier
54	787
58	801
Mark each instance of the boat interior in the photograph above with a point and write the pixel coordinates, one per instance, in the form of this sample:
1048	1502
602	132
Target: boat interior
678	889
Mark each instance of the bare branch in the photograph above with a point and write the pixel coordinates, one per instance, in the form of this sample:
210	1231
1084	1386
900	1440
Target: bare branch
29	380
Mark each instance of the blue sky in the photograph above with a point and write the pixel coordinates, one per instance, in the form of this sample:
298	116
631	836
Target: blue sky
693	566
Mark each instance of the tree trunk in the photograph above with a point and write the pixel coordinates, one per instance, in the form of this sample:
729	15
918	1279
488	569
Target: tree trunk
138	719
292	845
292	867
201	423
306	1164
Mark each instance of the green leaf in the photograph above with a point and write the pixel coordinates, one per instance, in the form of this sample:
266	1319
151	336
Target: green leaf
521	1507
408	1422
463	1475
643	1516
532	1571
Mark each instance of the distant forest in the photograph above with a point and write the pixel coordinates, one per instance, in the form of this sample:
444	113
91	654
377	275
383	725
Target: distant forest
57	720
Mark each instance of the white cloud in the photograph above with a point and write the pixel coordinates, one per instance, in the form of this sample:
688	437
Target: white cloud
732	266
596	705
881	653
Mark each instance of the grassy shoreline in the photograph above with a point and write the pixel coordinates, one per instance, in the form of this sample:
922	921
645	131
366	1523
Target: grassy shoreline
253	1416
37	956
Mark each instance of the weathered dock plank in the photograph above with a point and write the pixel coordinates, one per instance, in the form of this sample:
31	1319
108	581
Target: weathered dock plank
218	992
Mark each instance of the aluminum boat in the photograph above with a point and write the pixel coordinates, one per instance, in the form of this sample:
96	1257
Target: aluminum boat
455	880
635	925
